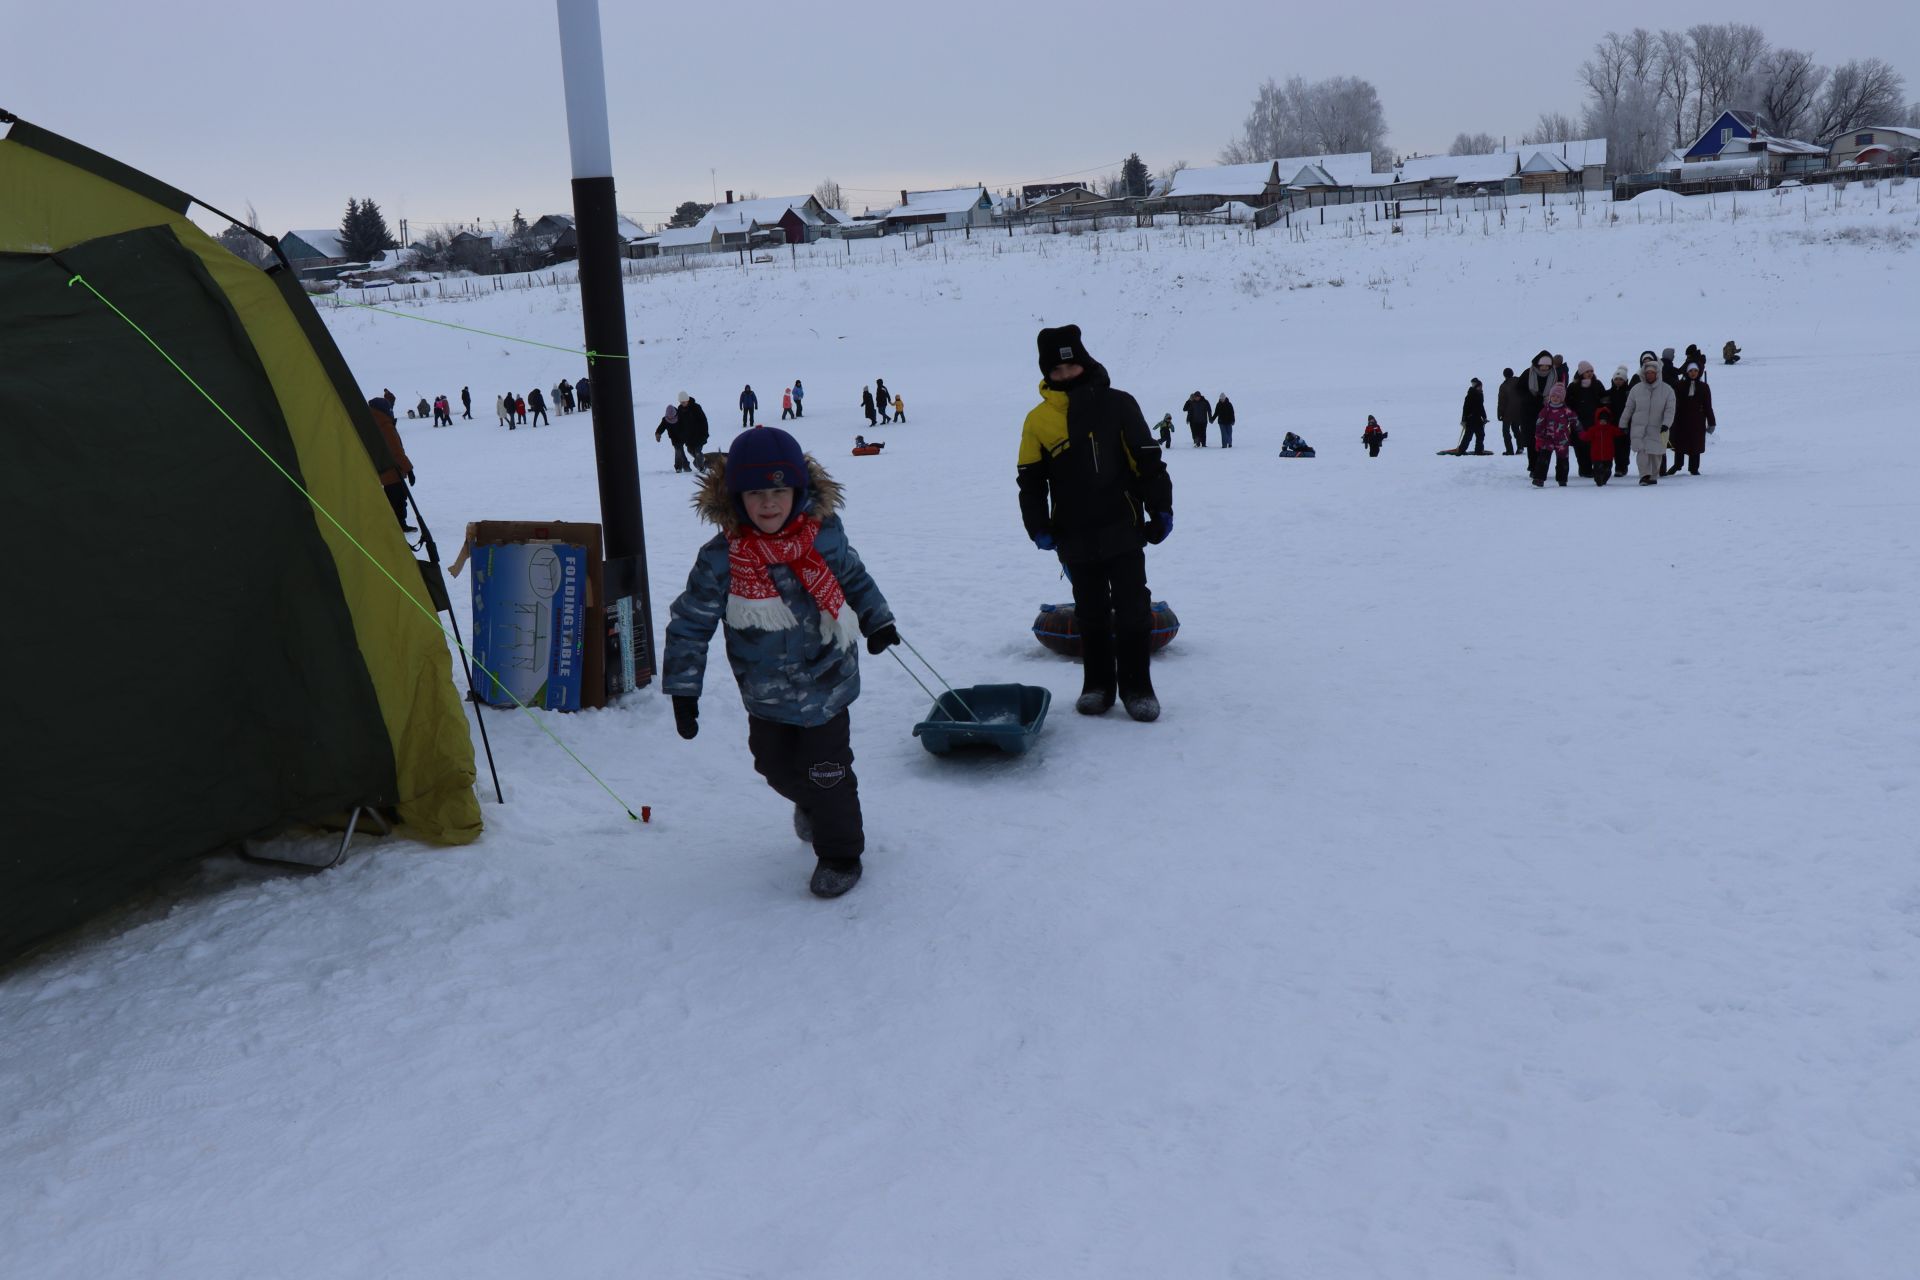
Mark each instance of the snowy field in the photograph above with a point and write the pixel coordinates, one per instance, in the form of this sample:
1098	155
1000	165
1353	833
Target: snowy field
1519	883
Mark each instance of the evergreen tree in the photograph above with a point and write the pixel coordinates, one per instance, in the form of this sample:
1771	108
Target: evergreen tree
519	226
689	212
377	232
363	232
1133	174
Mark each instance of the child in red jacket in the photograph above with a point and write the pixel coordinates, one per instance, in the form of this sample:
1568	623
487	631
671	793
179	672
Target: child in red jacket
1599	440
1373	437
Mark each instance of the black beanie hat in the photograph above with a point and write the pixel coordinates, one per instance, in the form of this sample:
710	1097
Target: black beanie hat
1062	346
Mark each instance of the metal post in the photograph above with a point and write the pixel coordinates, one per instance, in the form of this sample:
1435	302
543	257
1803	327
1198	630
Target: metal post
603	308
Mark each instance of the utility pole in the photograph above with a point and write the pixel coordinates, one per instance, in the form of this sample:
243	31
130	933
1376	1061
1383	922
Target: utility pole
603	308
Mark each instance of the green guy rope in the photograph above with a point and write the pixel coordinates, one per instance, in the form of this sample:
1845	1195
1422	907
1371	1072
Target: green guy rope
347	534
447	324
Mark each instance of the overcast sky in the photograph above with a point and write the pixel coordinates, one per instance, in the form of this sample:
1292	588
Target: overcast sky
448	112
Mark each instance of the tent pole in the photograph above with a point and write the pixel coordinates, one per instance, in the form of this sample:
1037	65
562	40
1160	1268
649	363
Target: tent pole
466	667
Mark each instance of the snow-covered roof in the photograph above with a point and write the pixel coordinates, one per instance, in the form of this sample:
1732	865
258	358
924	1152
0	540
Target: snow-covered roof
765	211
1225	180
702	232
1347	167
1582	154
1546	161
1496	166
947	200
1313	175
326	241
1234	211
1911	135
1790	147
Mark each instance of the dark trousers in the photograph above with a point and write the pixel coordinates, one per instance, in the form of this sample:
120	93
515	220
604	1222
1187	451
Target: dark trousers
799	410
746	417
1622	455
1691	461
1583	455
813	767
466	408
680	462
397	499
786	411
1226	435
1114	614
1373	448
1510	438
1539	464
1602	471
540	416
1199	435
1474	434
1166	438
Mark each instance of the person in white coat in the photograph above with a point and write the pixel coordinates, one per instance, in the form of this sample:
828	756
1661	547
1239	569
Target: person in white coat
1647	417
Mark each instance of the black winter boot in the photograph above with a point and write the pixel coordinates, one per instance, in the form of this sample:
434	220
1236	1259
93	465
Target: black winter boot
1097	683
802	825
1134	650
834	876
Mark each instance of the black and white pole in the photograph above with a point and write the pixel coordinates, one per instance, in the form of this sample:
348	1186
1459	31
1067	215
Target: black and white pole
603	304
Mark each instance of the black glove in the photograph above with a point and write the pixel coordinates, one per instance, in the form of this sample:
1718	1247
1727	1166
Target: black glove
883	638
410	474
686	714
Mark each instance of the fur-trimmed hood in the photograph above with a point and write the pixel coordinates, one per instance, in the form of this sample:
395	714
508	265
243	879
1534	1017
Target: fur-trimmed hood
715	505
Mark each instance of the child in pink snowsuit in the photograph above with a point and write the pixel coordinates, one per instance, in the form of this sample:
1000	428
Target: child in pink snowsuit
1551	434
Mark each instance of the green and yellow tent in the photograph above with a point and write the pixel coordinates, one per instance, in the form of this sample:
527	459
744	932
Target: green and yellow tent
197	655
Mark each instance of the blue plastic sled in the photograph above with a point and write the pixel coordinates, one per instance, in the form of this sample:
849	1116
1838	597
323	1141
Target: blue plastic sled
1006	717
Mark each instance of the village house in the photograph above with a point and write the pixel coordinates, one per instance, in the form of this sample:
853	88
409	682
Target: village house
1874	145
950	207
1742	143
312	252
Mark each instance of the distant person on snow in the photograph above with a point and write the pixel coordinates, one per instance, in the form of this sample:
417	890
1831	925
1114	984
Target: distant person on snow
1617	406
393	479
466	403
786	404
899	408
866	406
520	408
1551	434
423	409
1473	421
749	405
882	399
503	412
566	396
1094	491
794	599
1506	407
1199	414
693	430
670	427
1164	430
1730	353
537	405
1648	417
1692	420
1373	437
1584	396
583	395
799	405
442	412
1599	439
1223	414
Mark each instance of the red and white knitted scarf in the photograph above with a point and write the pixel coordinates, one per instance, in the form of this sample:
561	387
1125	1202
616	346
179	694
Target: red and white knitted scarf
753	601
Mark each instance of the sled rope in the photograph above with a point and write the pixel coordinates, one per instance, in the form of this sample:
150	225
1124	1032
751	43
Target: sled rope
412	599
504	337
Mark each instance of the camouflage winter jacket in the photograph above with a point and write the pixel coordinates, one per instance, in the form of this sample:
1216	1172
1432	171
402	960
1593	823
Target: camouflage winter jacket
795	675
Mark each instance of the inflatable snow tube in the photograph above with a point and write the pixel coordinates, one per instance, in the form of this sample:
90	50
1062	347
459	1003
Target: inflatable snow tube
1056	628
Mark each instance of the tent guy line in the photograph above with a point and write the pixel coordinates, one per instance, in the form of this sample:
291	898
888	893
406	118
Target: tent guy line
646	812
506	337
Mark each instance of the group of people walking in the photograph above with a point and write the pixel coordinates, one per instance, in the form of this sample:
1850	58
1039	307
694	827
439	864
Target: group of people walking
1198	414
880	405
1565	423
685	425
513	410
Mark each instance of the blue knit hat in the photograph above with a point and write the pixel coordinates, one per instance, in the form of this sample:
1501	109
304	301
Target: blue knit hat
766	458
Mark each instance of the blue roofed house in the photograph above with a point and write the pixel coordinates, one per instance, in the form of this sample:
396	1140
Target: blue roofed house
1744	141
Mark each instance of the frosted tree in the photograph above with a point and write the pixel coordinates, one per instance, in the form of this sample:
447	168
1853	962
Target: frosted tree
1473	144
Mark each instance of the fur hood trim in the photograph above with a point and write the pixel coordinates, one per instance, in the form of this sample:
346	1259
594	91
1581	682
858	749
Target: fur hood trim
715	505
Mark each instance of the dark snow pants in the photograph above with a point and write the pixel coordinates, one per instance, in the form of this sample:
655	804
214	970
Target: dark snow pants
1510	438
1540	459
1582	455
1111	601
1373	448
1226	435
813	767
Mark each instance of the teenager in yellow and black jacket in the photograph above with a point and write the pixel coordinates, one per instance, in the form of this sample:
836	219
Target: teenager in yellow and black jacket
1094	491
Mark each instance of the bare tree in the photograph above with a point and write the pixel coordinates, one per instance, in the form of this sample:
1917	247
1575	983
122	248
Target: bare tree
1334	116
1784	87
1473	144
1676	82
1861	92
1623	99
1552	126
432	250
828	194
243	244
1165	176
1724	56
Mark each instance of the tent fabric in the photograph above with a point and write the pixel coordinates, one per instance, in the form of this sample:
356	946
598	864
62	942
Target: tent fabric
192	550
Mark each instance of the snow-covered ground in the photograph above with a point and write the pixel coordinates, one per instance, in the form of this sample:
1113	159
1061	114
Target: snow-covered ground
1520	882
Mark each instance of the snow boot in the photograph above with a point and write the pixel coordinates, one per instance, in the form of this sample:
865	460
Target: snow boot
1097	684
1134	650
1646	480
834	876
802	825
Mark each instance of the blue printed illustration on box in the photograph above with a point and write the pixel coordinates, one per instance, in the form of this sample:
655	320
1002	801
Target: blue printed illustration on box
529	624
